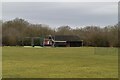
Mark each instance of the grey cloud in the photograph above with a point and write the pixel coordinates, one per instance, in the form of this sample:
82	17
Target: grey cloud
58	14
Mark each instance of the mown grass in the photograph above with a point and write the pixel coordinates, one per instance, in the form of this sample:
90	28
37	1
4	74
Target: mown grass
82	62
0	62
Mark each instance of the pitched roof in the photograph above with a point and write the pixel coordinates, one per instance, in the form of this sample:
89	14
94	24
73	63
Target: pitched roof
66	38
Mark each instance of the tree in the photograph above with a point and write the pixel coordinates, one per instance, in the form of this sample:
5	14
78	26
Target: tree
64	30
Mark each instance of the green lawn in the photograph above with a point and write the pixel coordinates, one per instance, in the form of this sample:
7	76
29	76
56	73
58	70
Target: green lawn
82	62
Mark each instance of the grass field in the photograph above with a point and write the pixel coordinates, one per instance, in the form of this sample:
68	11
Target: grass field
82	62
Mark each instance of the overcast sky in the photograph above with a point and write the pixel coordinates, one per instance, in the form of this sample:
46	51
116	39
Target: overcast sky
55	14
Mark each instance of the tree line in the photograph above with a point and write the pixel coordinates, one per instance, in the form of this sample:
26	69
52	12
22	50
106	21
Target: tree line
14	31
